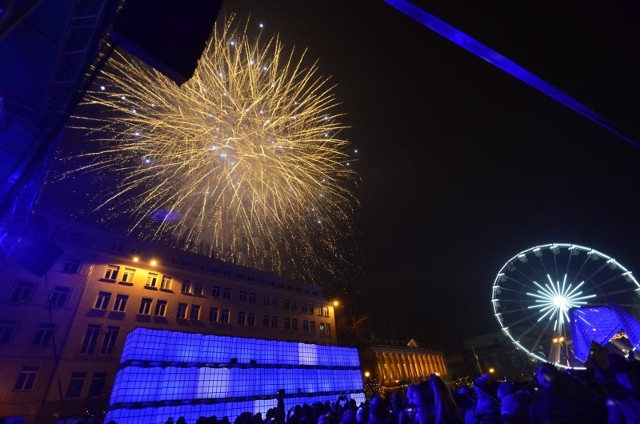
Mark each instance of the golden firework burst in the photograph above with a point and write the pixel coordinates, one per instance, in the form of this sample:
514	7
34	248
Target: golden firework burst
244	160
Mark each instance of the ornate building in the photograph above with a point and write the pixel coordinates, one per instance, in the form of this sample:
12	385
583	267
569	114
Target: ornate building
71	293
392	364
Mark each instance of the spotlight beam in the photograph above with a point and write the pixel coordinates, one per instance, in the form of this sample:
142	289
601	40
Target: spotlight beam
469	43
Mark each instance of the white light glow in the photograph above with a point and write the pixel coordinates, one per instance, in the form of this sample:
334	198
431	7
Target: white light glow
555	299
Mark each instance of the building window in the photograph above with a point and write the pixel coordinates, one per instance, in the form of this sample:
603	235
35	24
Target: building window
242	316
311	308
213	314
198	288
252	298
274	301
120	303
109	340
112	272
98	381
26	379
102	302
243	296
90	339
215	292
320	311
294	324
251	319
304	309
305	326
225	316
166	282
287	324
59	296
152	279
75	384
326	311
194	313
181	313
145	306
327	329
6	330
312	327
266	301
285	304
294	305
22	292
265	321
71	266
43	334
186	287
274	322
127	277
161	308
226	293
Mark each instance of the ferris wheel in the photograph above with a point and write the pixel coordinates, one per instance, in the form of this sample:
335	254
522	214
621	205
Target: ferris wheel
534	291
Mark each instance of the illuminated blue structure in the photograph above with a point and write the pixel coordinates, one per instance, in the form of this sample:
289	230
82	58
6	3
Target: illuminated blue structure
170	374
600	325
469	43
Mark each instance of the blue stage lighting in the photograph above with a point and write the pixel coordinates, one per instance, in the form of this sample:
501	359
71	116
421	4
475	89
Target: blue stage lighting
467	42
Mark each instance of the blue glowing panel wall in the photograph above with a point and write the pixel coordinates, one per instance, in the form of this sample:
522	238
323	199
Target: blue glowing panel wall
169	374
600	324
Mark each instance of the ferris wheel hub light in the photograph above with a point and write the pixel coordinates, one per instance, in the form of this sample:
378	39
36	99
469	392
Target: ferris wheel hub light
560	302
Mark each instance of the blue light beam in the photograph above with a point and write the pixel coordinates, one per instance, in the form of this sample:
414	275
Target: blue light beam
467	42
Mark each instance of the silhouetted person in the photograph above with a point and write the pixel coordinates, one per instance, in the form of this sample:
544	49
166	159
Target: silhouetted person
558	402
623	390
445	409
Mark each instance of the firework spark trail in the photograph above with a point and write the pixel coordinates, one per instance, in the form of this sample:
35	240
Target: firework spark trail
247	152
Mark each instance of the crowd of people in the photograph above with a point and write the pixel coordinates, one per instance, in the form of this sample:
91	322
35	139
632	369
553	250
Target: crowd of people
598	394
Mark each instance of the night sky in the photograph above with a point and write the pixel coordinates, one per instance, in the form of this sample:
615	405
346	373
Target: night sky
462	165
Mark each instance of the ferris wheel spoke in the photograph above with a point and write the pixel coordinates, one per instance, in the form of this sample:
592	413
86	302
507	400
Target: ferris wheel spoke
506	300
520	283
597	271
535	345
517	280
538	253
529	317
546	290
578	273
621	291
605	282
512	290
634	306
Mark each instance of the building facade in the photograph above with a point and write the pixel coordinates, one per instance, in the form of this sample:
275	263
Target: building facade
392	364
71	293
